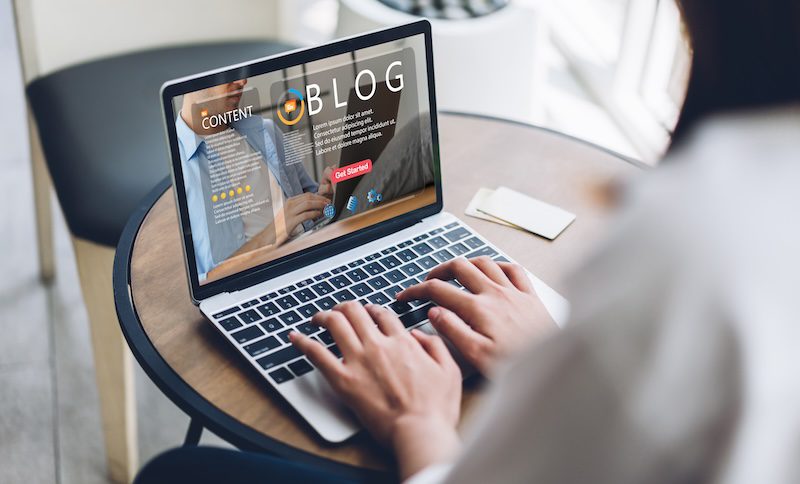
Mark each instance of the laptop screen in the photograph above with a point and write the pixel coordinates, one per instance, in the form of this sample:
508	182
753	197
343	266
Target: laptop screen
279	162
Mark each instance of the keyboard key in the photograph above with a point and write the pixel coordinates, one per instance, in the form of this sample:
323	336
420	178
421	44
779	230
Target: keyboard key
271	325
457	234
378	298
284	335
230	323
355	263
406	255
361	289
262	346
373	268
451	225
378	282
408	283
423	248
252	302
269	309
420	237
271	295
339	270
392	291
436	231
501	259
485	250
322	276
344	295
458	249
474	242
307	328
411	269
290	318
326	303
416	316
394	276
428	262
404	244
326	337
285	290
287	302
281	375
335	350
300	367
227	312
390	262
437	242
305	283
339	282
322	288
400	307
357	275
249	316
305	295
245	335
385	252
279	357
308	310
443	255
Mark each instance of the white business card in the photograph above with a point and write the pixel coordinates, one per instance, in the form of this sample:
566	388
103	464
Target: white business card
472	209
526	212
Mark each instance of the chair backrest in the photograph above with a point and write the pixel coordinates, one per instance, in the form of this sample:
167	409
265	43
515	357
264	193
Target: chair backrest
58	33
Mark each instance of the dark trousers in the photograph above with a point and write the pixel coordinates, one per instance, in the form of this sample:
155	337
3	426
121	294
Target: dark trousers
201	465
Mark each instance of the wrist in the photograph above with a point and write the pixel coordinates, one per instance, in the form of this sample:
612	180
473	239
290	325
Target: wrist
420	441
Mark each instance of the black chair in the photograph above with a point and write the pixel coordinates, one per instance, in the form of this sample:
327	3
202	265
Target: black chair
102	136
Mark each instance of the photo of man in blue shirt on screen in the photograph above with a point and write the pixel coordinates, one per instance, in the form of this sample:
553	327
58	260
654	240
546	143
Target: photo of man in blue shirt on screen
241	193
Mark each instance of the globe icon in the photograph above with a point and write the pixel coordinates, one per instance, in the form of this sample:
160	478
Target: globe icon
329	210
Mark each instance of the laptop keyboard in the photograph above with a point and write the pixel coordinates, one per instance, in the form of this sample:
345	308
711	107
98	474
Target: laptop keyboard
261	326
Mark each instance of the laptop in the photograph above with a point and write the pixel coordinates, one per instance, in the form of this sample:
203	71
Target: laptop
249	145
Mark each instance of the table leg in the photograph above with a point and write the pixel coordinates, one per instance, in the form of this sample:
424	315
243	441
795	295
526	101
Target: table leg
193	434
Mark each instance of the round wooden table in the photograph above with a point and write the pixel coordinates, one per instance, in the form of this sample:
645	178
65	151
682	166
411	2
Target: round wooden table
199	372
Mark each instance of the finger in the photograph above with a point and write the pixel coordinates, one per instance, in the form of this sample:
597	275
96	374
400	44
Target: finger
440	292
309	215
468	341
491	269
387	321
518	276
316	204
434	346
341	330
321	357
359	319
460	268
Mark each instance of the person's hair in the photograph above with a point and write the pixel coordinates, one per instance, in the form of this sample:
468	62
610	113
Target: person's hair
746	56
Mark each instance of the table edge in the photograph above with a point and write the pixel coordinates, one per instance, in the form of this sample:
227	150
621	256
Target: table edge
488	117
183	395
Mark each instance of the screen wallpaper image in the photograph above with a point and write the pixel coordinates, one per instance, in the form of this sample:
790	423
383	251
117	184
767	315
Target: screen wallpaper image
283	161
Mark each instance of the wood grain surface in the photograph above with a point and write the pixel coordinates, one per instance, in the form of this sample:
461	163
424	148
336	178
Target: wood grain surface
475	152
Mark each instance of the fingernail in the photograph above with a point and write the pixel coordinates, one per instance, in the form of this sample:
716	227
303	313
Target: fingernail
434	313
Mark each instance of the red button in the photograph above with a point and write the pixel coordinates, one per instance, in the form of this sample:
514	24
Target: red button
351	171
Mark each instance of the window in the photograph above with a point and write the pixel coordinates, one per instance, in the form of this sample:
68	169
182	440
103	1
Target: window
632	57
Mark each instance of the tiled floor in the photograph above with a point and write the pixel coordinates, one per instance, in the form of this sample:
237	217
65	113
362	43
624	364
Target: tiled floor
49	415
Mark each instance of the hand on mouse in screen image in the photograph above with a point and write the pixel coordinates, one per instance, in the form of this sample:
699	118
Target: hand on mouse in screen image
412	407
297	210
326	185
498	315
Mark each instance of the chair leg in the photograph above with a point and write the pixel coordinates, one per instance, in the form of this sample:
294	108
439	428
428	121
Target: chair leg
41	197
112	359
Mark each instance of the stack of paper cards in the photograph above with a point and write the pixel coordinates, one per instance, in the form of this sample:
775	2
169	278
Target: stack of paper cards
508	207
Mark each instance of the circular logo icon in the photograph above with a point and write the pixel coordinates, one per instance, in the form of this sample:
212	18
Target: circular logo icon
291	107
329	210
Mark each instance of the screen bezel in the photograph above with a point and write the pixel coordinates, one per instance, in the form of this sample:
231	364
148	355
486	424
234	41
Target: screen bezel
271	269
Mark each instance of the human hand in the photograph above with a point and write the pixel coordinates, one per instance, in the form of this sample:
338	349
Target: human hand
404	387
300	208
499	315
326	185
